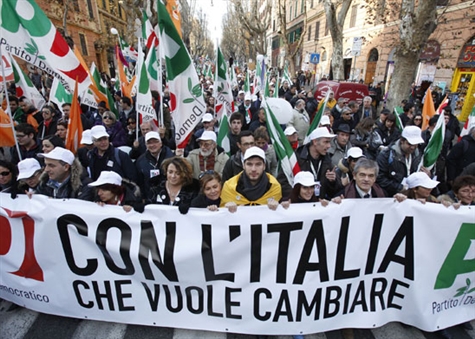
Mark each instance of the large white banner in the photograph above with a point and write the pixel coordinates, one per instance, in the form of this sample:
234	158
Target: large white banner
307	269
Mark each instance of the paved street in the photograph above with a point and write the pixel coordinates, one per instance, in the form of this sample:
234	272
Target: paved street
23	323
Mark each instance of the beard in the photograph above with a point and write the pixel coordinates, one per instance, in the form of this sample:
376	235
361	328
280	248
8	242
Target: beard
206	153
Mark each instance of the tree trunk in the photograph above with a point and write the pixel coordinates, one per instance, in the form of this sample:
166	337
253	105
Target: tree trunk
335	25
415	28
402	78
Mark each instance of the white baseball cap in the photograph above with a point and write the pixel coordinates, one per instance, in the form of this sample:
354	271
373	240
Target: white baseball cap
27	168
254	151
107	177
152	135
325	120
208	135
247	97
290	130
241	92
86	138
417	179
413	135
354	153
304	178
320	132
208	117
59	153
98	132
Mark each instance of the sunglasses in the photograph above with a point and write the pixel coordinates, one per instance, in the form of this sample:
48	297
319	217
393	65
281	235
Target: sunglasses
4	173
131	123
107	117
202	174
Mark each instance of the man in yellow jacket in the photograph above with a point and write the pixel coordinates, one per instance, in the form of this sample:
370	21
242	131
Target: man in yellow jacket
253	186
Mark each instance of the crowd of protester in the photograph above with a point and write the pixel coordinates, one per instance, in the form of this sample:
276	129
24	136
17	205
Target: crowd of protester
357	151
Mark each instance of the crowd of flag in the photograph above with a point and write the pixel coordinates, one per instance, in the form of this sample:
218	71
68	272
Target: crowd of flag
42	45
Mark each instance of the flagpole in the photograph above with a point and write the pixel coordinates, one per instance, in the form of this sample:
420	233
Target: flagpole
9	110
215	79
160	83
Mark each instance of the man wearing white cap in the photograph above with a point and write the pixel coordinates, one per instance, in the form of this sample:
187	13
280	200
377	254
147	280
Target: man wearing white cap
105	157
313	157
253	186
62	176
247	110
401	159
292	136
29	172
206	157
149	164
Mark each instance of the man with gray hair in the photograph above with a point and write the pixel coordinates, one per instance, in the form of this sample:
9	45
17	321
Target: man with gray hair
366	110
364	183
300	120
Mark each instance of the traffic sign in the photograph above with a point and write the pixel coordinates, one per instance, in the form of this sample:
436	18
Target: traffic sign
356	48
314	58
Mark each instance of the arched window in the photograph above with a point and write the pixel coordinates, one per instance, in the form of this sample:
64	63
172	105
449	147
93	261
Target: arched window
373	55
324	56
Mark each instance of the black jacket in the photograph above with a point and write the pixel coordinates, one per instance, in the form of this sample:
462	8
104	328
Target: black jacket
112	160
146	166
392	168
328	189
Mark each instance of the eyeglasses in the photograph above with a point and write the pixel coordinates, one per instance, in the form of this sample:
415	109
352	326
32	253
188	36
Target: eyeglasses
202	174
19	136
418	119
107	117
4	173
131	123
206	144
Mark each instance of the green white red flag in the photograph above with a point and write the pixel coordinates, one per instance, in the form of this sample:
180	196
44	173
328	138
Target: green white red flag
283	149
286	76
24	86
436	141
222	87
247	85
30	35
101	91
469	123
187	104
148	33
143	104
223	139
318	117
399	123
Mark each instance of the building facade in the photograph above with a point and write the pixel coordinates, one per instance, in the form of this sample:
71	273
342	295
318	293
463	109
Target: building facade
447	60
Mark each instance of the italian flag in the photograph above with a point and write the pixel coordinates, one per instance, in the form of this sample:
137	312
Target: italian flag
398	120
222	139
283	149
436	141
101	92
276	88
30	34
247	87
148	33
469	123
187	104
143	104
286	75
318	117
128	52
24	86
222	86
